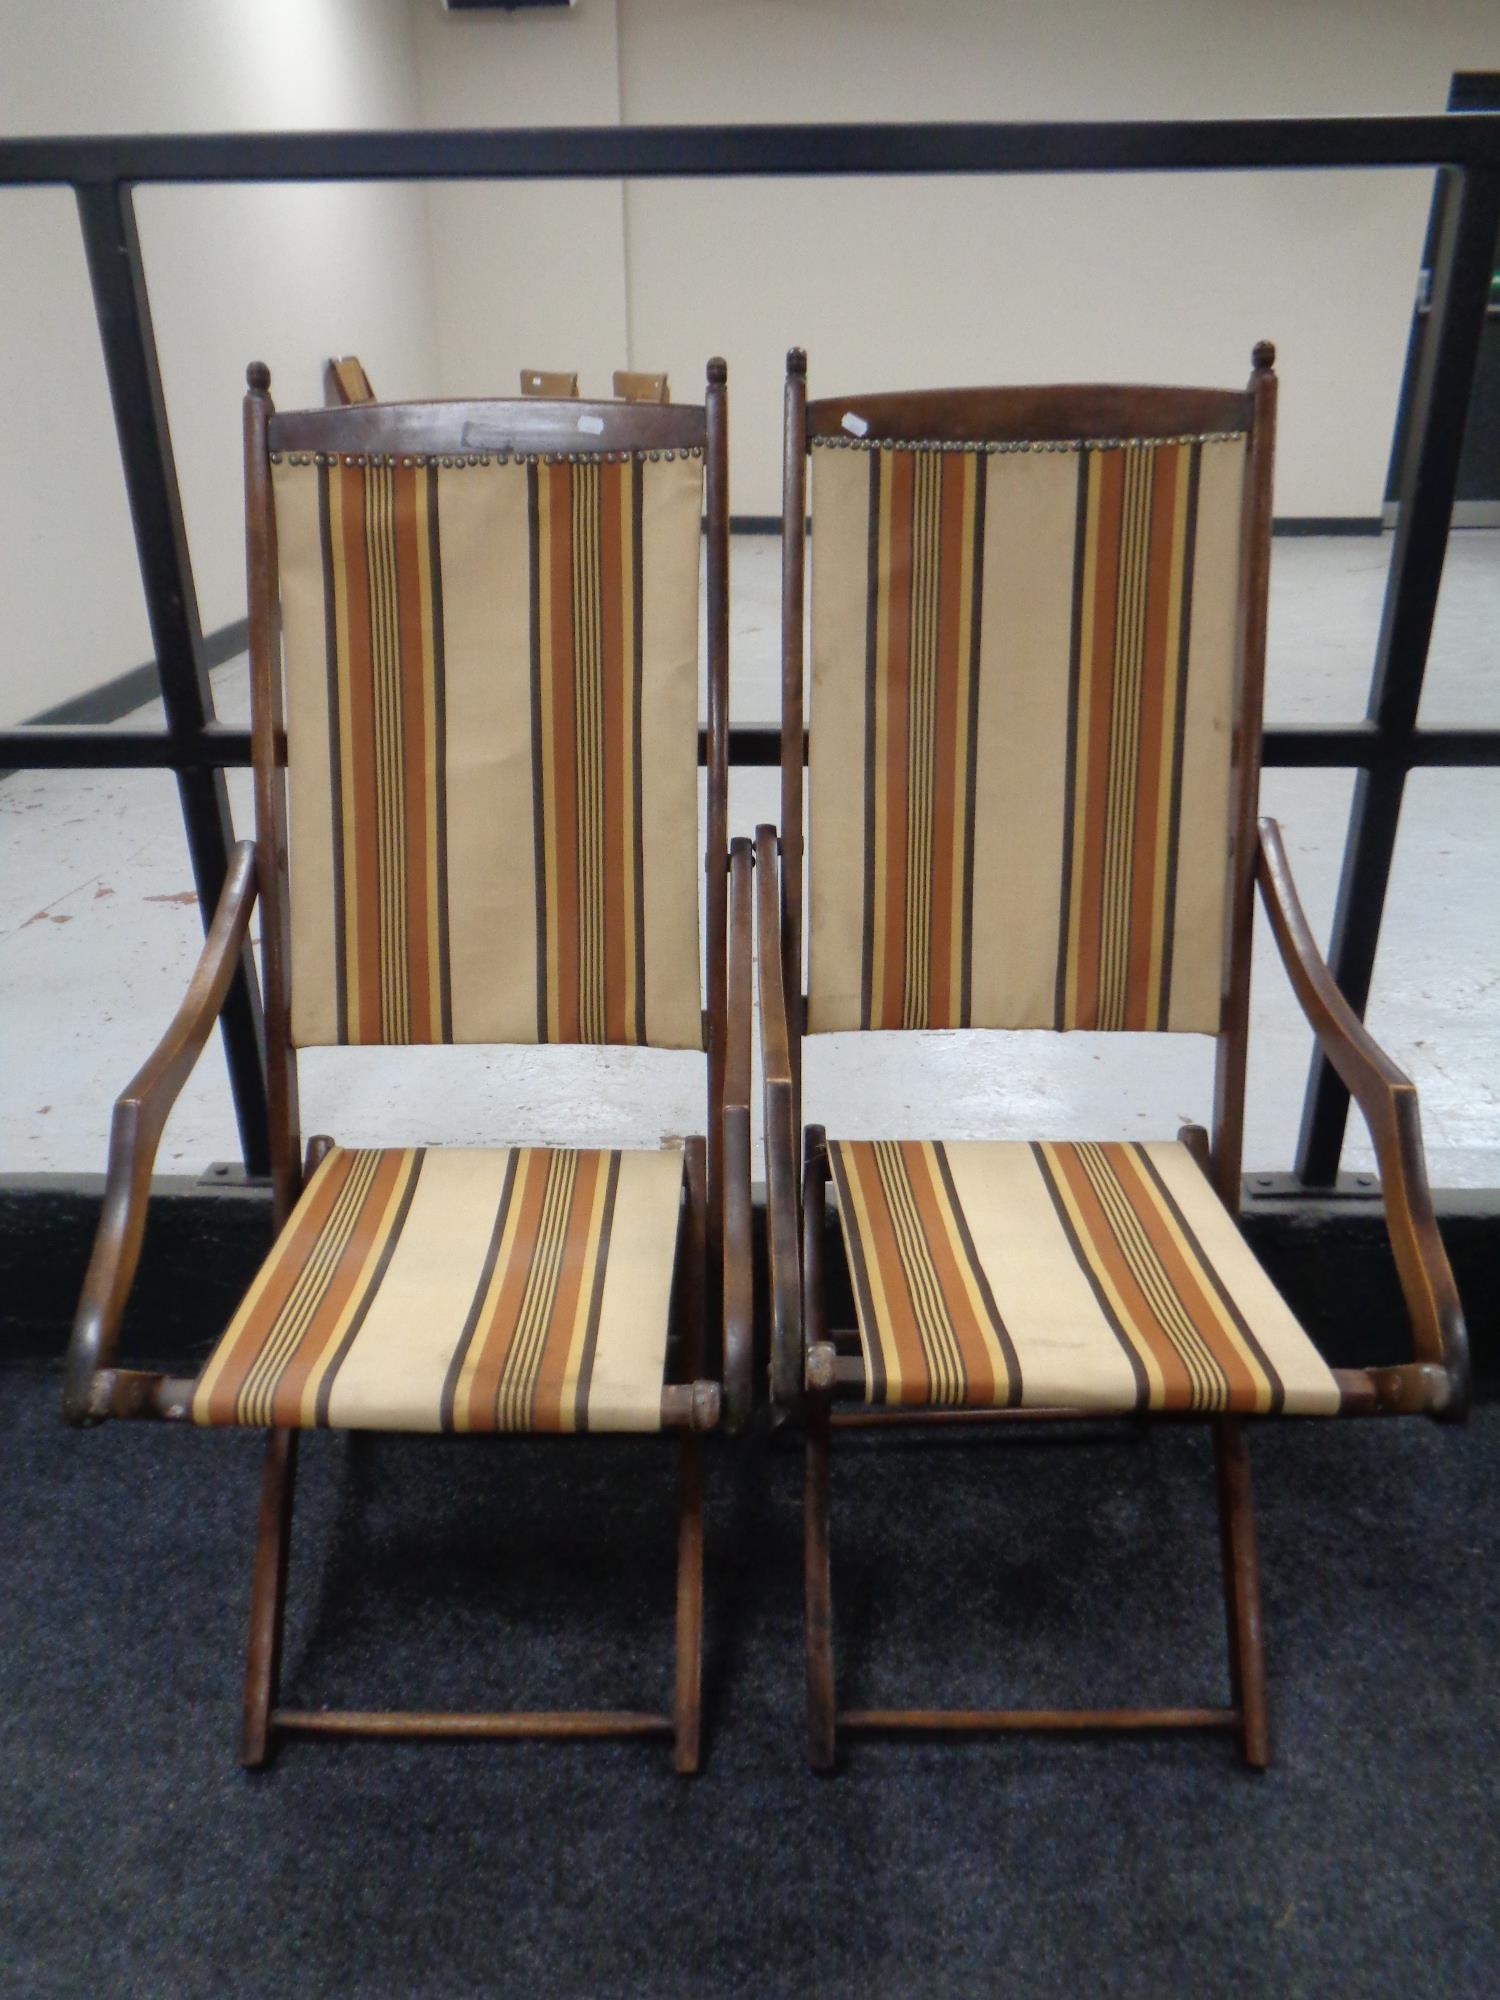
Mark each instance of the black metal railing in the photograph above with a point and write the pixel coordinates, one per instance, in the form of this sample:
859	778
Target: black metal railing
1381	749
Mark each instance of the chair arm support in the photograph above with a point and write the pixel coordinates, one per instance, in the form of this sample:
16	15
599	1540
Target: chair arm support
1387	1099
739	1270
140	1115
783	1194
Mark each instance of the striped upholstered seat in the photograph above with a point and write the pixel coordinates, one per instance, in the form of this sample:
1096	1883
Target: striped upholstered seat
457	1289
1099	1277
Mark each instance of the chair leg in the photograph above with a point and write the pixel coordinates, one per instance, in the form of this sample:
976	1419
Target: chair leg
688	1704
818	1587
1247	1664
268	1596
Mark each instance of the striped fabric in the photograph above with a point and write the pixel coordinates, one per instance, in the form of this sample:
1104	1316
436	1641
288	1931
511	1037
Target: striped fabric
1099	1277
460	1290
491	669
1034	651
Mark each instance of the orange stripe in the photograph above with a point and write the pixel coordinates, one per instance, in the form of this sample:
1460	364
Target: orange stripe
493	1339
575	1284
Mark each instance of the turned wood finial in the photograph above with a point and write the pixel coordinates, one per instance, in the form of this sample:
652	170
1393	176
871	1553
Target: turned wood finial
718	371
1263	356
258	378
796	361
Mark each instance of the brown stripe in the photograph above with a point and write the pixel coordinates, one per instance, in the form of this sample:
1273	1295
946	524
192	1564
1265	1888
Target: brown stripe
476	1305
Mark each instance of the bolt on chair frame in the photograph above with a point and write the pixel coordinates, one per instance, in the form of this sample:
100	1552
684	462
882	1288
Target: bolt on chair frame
715	1233
817	1373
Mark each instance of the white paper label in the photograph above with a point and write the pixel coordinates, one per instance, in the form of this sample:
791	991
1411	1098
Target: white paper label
856	426
591	424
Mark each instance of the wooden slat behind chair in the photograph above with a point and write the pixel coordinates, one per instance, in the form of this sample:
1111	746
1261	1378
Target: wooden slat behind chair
634	387
548	382
345	382
1038	643
493	838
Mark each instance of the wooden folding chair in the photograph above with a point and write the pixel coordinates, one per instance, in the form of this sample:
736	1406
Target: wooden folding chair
549	382
474	647
634	387
1038	638
345	382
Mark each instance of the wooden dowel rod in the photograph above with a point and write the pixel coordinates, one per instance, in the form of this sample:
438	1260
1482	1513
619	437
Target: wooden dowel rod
520	1722
853	1420
988	1719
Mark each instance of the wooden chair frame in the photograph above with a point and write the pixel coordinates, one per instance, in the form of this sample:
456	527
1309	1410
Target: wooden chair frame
552	383
816	1373
716	1228
635	385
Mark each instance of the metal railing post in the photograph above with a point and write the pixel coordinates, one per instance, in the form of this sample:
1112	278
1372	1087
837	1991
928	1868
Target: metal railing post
112	248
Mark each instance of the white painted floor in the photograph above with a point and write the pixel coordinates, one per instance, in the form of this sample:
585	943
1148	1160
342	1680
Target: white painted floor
99	930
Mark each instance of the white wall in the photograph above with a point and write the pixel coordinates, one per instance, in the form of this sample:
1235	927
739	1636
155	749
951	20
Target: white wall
887	282
891	282
528	275
453	288
279	274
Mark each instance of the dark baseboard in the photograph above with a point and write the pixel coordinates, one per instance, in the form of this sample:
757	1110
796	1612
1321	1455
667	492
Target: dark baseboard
1284	524
1329	1258
138	685
1327	524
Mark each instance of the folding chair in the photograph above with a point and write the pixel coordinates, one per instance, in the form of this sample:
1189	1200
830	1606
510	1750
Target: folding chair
1038	638
474	661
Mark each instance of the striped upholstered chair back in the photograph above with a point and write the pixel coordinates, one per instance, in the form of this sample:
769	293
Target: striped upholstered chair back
1028	630
490	657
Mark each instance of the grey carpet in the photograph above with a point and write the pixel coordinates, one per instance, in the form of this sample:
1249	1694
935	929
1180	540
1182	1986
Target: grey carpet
136	1858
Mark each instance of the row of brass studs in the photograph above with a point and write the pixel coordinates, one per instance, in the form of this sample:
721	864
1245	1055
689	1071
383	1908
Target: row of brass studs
458	462
992	445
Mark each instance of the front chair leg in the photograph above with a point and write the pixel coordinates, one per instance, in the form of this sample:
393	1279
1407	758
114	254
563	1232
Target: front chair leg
1247	1661
688	1705
818	1587
268	1595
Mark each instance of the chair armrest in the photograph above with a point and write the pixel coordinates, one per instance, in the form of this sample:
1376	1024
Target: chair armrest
783	1194
1387	1099
135	1132
739	1268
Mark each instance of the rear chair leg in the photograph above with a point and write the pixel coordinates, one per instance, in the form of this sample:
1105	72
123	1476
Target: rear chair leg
818	1586
1247	1664
688	1706
268	1596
